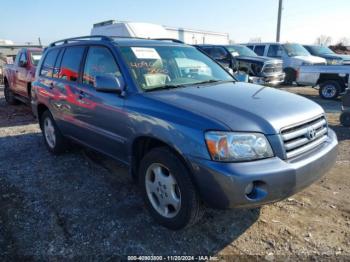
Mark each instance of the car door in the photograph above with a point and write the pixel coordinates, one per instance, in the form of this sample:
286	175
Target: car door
21	74
101	113
65	90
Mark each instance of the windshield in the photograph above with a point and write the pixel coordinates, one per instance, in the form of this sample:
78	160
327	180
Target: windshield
35	57
241	50
295	50
321	50
156	67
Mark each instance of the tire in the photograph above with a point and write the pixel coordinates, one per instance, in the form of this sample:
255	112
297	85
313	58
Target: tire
290	77
9	96
329	89
159	169
345	119
54	140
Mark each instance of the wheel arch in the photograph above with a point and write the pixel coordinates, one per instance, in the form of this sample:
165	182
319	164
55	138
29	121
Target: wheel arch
143	144
41	108
342	80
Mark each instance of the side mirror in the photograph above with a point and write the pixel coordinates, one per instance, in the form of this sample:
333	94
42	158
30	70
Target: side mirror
109	83
22	63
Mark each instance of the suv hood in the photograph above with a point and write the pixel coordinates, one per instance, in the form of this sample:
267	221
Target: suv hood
310	59
261	59
242	106
337	56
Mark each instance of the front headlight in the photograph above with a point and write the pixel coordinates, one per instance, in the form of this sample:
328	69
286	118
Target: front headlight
334	61
237	146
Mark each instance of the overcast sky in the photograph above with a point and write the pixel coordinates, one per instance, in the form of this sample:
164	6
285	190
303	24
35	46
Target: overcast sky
303	20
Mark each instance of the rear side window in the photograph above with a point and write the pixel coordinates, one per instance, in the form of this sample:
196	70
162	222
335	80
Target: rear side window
49	62
71	63
259	50
99	62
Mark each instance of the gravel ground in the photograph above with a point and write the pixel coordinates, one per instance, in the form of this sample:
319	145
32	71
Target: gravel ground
84	204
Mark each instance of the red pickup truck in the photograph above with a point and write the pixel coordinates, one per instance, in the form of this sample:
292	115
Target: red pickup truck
18	77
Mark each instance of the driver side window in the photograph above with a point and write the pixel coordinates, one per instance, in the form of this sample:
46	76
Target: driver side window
99	61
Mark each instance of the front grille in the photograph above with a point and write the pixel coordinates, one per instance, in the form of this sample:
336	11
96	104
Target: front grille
320	63
272	68
304	137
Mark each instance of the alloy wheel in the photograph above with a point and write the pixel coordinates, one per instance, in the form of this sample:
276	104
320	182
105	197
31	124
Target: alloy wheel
162	190
329	91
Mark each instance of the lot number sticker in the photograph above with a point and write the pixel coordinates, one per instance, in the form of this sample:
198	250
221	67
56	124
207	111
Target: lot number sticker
145	53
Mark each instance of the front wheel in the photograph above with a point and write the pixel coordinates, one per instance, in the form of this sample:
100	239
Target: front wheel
54	140
345	119
329	90
168	191
290	76
9	96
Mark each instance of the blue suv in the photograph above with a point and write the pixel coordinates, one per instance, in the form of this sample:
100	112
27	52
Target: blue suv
189	133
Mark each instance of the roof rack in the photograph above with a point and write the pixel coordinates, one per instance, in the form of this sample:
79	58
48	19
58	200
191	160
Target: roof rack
169	39
107	38
74	39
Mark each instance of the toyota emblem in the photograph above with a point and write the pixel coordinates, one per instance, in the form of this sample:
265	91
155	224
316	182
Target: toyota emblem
311	133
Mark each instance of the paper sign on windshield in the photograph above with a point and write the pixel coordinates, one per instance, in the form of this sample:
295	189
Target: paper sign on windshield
145	53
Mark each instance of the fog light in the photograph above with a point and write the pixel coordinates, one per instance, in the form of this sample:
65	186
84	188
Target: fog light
249	189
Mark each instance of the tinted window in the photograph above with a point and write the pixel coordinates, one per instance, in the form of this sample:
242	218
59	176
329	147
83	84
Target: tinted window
99	62
56	69
250	47
259	50
71	63
274	51
49	62
206	50
218	53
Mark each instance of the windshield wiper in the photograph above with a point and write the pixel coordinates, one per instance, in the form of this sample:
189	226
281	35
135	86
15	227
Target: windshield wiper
211	81
169	86
165	87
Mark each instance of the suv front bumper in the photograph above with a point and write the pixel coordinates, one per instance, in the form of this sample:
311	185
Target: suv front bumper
228	185
271	80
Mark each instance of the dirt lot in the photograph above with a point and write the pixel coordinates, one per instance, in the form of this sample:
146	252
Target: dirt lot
82	204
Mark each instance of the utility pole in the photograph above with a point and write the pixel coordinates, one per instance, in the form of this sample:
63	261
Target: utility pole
280	7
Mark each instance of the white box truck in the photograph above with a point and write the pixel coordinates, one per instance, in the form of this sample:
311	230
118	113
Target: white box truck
129	29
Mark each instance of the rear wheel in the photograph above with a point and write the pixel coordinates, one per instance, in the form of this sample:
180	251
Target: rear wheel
54	140
329	89
9	96
168	191
345	119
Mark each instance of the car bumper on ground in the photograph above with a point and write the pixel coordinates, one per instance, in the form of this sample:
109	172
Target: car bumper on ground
252	184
